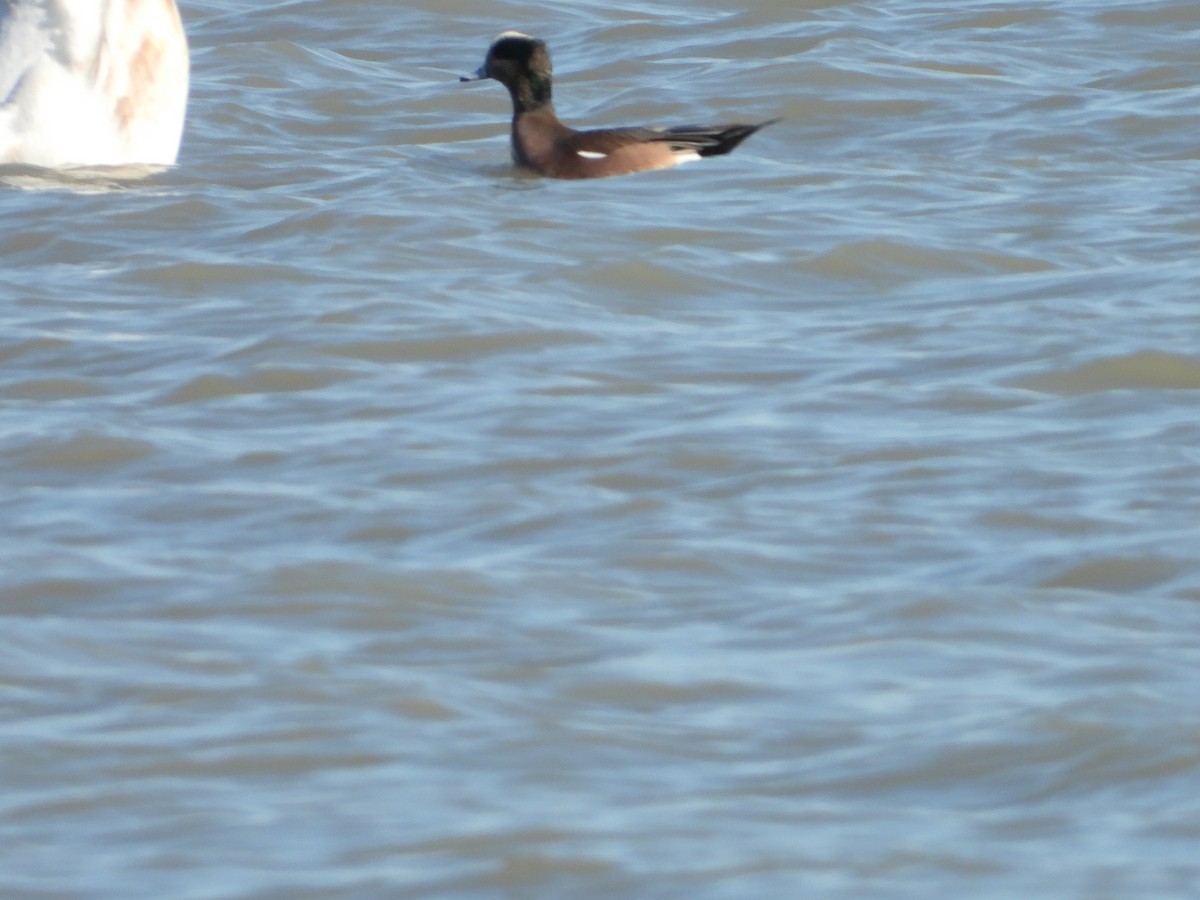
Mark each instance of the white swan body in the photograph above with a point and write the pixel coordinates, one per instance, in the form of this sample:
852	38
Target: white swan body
91	82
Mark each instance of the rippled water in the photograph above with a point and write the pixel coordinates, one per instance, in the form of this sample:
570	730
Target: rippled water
819	520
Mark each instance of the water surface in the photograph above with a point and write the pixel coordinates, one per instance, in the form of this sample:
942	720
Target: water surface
820	520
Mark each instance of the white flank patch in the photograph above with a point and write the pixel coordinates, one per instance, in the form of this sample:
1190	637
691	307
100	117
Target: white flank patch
508	34
683	156
591	154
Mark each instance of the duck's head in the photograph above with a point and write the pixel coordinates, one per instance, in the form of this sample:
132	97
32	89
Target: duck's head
522	64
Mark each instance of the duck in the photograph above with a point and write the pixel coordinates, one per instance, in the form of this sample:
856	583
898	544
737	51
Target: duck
92	82
544	145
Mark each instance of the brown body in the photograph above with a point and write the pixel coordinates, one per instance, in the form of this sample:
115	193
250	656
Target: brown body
543	144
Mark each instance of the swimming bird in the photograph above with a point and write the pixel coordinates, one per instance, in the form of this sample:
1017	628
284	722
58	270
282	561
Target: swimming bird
91	82
543	144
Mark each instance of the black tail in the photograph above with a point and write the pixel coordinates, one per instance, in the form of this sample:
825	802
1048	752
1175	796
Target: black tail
714	140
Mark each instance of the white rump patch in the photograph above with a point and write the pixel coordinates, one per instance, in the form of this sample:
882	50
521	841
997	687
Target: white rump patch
591	154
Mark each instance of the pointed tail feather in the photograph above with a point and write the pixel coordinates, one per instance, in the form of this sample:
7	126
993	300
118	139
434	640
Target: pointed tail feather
711	140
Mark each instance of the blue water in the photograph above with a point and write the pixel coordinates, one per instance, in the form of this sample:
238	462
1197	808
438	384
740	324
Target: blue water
818	520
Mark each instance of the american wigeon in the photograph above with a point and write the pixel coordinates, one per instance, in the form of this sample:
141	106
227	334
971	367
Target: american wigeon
545	145
91	84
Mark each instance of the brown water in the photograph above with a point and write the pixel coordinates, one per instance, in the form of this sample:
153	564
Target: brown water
820	520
